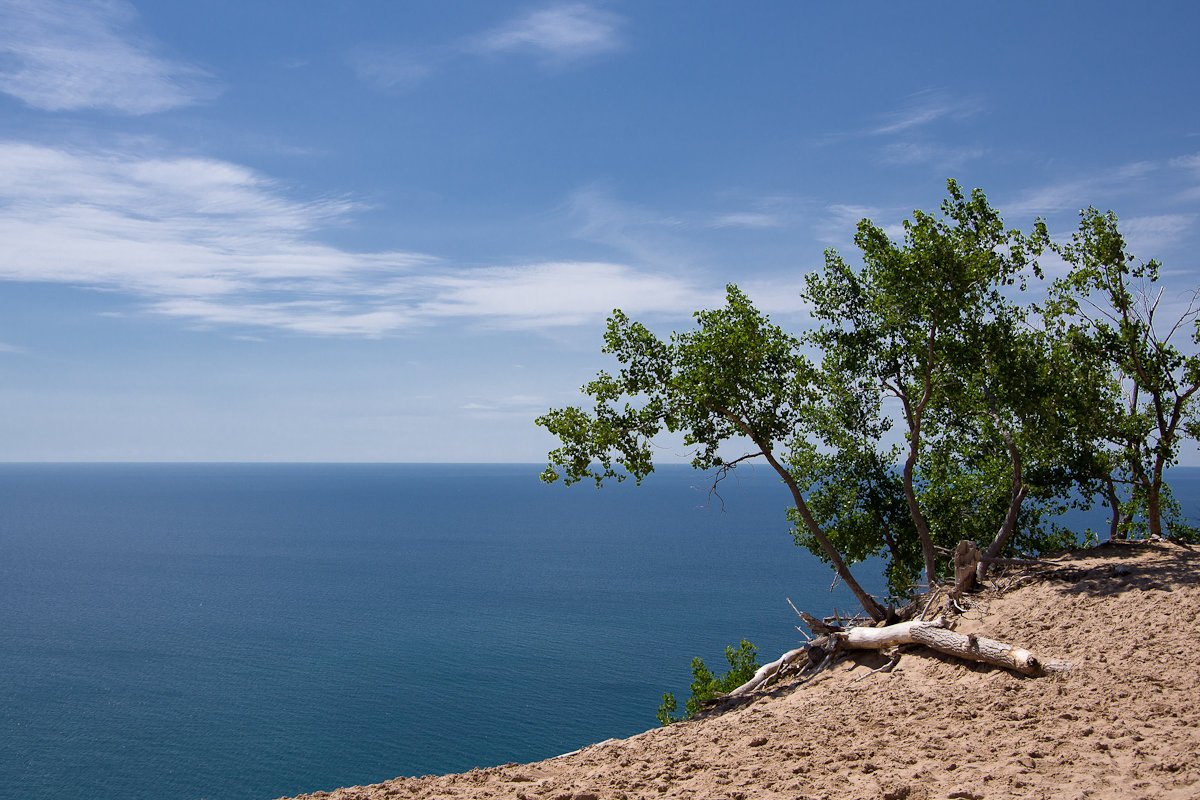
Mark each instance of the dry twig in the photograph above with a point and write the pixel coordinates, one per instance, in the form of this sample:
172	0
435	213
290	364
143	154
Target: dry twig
933	596
888	667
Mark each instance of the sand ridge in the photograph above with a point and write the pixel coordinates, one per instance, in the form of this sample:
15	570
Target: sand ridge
1125	723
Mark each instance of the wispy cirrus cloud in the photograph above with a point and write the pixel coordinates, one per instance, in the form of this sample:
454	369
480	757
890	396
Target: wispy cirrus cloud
557	35
760	212
748	219
1075	193
914	131
1153	234
947	158
385	68
1190	162
1190	166
524	297
558	293
64	55
215	244
922	109
162	225
630	231
837	224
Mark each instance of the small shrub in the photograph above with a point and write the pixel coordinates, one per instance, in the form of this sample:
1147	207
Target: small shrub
743	663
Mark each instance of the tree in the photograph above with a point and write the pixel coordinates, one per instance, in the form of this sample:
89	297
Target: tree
860	505
1013	436
1005	413
736	377
1107	308
915	318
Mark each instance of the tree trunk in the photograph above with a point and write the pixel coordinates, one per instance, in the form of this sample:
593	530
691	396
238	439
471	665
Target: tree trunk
1006	531
914	510
1114	502
1017	497
1154	509
1154	498
862	638
869	604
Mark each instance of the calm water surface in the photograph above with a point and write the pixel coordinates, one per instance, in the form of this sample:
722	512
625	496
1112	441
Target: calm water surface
233	632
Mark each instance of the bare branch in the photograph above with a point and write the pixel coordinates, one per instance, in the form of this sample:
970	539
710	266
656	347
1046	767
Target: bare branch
723	472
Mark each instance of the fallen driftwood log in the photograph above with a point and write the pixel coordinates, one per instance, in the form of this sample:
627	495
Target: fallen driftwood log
936	635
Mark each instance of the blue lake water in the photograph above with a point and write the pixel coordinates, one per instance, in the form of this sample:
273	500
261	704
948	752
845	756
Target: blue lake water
242	632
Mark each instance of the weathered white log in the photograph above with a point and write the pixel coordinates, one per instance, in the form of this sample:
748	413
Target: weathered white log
863	638
768	671
931	633
979	648
936	635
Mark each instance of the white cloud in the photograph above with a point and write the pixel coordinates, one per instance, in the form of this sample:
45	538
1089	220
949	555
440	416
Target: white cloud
518	404
636	233
946	158
912	131
332	317
748	219
559	293
1191	162
60	55
157	226
1147	236
840	222
555	35
922	109
776	296
562	33
389	69
217	244
1078	193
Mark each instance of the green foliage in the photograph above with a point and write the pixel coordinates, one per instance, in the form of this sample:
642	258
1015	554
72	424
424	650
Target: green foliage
912	322
735	377
743	663
1107	310
1010	410
862	509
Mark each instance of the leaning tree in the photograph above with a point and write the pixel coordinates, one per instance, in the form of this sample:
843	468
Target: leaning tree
1005	412
734	378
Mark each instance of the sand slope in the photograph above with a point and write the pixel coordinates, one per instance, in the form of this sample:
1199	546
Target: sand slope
1124	724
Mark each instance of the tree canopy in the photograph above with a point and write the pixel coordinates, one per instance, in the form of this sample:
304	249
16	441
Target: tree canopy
1011	410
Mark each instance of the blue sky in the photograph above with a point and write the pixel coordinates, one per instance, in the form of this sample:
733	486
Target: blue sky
370	230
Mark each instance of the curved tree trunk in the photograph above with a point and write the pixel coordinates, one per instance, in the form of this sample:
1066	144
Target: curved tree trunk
869	604
914	510
1114	502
